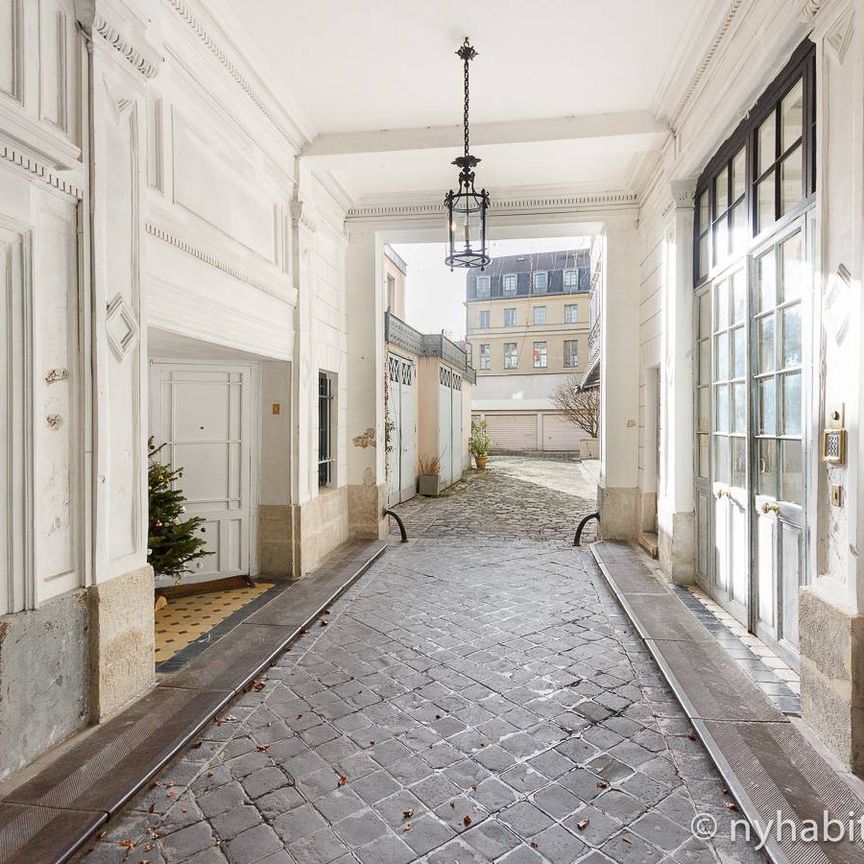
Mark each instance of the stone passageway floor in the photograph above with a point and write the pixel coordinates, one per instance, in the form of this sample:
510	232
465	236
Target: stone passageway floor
476	697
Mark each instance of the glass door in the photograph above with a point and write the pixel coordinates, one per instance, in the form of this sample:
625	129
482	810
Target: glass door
779	276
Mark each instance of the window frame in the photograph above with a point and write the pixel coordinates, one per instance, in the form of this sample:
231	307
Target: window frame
487	282
511	355
485	357
534	320
575	318
543	347
515	316
574	273
575	354
505	290
801	67
484	315
326	429
534	275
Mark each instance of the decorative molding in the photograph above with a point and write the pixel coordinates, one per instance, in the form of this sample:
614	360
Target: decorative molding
839	37
591	200
145	65
121	328
235	272
682	196
40	171
810	9
292	136
698	76
836	302
301	216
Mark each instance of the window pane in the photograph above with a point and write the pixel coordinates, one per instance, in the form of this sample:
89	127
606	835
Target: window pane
721	347
539	314
767	142
722	415
703	256
721	298
792	116
765	204
739	226
739	297
791	180
721	192
766	423
721	458
739	401
704	315
766	482
739	462
792	265
790	319
739	174
765	282
704	409
792	404
704	215
765	338
791	472
703	456
739	352
721	240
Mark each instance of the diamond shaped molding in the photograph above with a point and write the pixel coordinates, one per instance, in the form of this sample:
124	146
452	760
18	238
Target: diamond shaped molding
121	327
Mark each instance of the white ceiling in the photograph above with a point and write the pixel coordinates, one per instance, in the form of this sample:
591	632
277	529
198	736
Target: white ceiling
369	65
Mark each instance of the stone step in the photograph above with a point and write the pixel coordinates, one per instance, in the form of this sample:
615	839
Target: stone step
648	541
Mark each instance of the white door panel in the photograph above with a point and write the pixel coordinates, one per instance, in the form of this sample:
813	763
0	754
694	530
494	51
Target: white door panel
202	413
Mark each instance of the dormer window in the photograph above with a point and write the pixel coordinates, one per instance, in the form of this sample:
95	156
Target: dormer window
571	280
483	283
539	281
509	283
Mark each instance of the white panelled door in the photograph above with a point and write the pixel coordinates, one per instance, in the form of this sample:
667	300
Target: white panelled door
456	427
202	413
402	416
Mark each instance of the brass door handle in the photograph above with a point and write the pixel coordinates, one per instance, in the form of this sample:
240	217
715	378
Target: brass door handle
770	507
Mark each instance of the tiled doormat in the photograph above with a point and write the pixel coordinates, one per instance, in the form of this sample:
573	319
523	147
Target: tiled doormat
188	624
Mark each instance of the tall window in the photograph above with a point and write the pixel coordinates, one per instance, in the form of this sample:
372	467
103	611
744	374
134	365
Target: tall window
483	283
483	321
509	317
325	429
571	313
540	355
571	280
509	284
540	281
571	353
511	357
486	356
539	314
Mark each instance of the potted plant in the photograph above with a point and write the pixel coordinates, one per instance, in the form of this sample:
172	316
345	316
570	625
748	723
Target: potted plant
430	479
479	443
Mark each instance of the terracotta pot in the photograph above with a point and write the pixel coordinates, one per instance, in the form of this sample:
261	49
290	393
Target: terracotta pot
480	459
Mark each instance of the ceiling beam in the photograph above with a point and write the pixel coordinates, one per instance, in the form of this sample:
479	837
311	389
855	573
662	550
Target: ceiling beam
634	123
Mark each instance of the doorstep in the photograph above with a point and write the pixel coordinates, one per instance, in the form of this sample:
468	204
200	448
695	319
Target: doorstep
57	804
767	764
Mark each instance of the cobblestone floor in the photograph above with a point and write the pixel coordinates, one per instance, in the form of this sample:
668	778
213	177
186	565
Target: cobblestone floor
476	697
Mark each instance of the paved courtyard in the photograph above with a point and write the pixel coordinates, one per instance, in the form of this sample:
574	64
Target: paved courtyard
477	696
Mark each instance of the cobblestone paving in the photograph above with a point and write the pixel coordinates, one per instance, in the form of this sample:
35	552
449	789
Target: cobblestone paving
475	697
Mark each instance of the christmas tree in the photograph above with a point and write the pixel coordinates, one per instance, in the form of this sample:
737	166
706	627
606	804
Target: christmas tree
173	541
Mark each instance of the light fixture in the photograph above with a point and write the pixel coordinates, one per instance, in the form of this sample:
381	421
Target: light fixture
467	208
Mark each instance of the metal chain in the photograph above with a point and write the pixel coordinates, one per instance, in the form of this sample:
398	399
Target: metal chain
467	61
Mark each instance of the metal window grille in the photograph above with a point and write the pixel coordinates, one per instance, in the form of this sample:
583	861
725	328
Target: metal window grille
325	429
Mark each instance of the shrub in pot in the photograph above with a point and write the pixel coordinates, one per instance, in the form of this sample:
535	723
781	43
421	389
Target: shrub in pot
479	443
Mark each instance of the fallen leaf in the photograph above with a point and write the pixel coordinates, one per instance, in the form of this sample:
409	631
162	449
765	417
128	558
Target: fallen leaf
437	716
303	632
343	780
151	808
258	685
473	787
263	748
602	784
149	847
127	844
731	805
326	611
452	805
534	844
691	736
626	839
372	743
196	745
406	827
466	820
209	773
407	814
101	834
170	794
582	824
323	623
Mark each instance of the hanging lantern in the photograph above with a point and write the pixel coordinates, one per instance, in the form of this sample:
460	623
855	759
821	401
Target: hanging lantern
467	208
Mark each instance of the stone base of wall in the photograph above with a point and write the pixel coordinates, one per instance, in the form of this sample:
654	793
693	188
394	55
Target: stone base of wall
276	531
122	641
832	676
618	513
44	672
676	539
320	525
365	506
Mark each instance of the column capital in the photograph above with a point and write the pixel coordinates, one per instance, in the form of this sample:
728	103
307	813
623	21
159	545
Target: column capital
680	195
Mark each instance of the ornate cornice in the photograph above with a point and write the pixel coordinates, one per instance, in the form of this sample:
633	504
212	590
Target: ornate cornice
562	203
145	65
40	171
184	246
185	13
698	76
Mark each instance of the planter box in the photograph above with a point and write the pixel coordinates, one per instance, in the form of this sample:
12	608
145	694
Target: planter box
429	484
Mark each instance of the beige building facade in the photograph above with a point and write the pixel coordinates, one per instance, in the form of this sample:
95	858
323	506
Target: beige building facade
528	319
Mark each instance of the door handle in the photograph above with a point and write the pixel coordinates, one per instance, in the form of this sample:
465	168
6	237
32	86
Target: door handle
770	507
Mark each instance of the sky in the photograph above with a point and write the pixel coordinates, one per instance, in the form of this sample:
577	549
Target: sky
435	297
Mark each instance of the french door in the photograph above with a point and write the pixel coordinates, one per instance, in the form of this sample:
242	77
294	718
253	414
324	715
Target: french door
749	446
